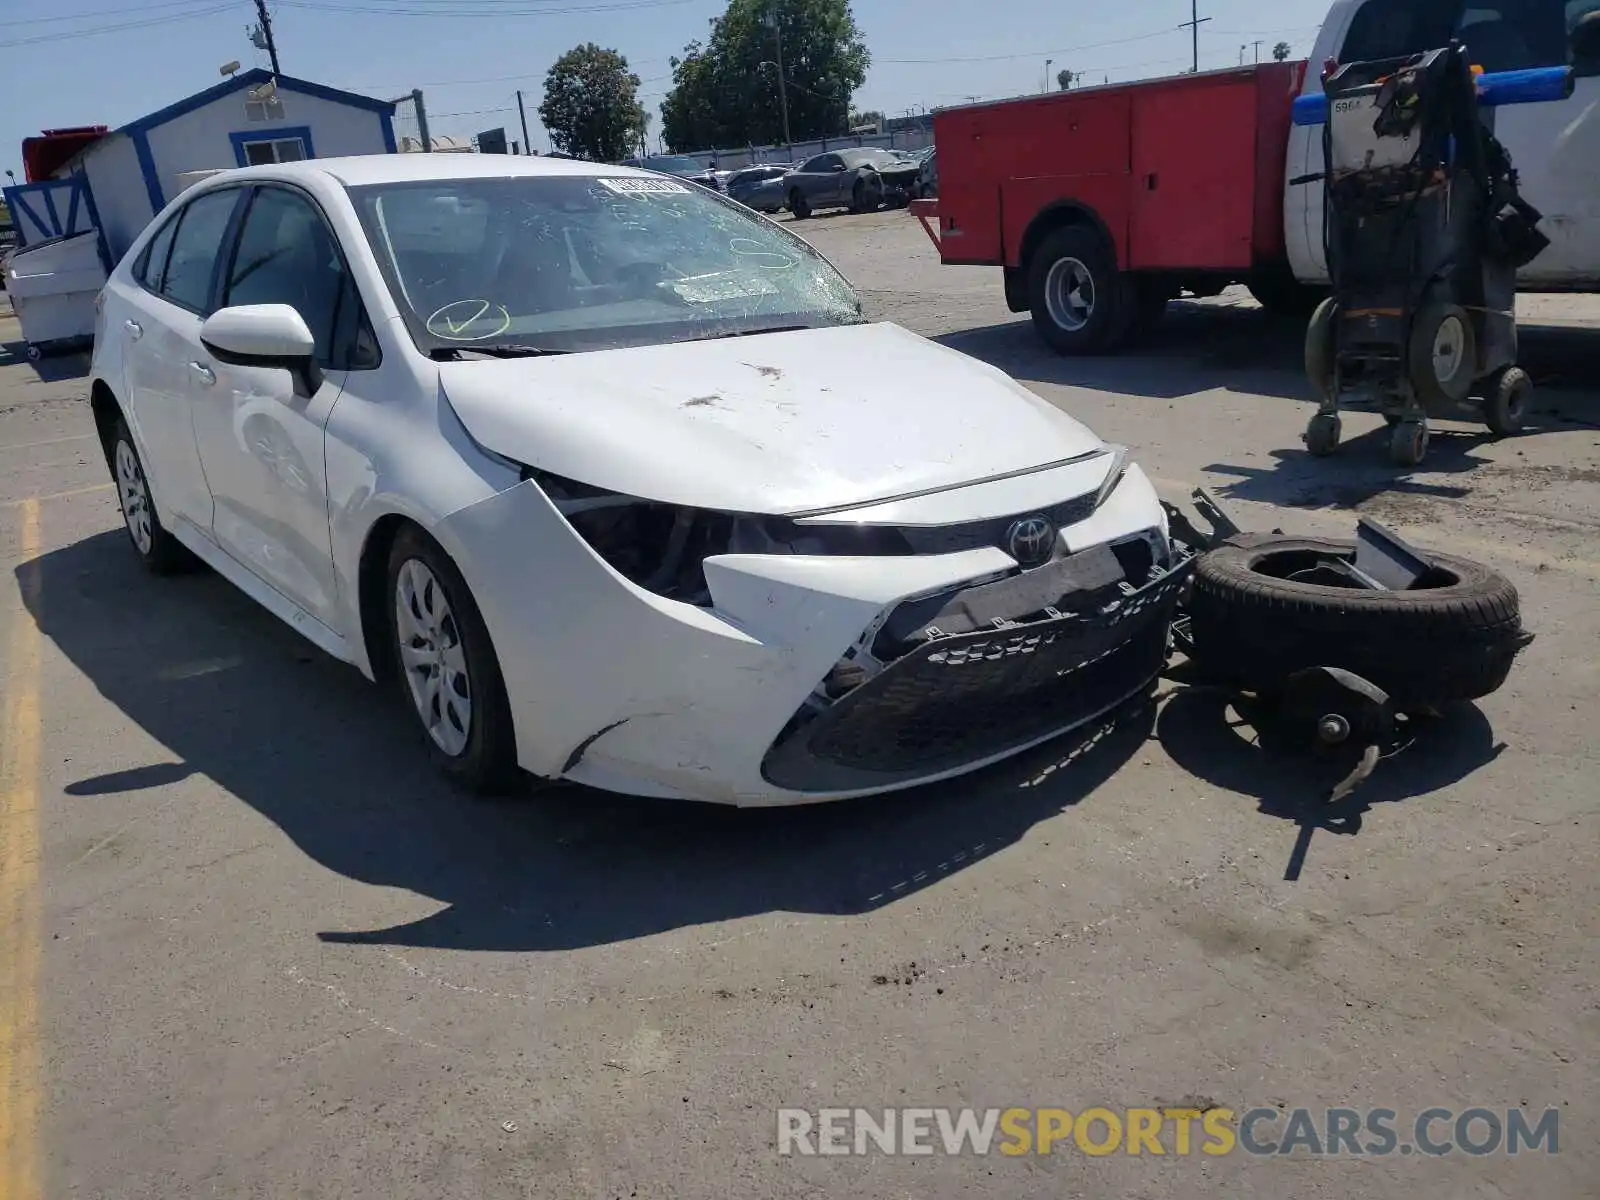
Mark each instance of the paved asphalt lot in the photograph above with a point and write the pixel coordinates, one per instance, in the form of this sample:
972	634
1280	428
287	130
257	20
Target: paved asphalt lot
250	948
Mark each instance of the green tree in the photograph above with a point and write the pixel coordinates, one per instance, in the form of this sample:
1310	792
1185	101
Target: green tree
1280	52
1064	78
591	105
725	90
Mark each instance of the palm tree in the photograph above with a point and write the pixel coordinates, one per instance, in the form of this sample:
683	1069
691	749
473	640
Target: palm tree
1280	52
1064	78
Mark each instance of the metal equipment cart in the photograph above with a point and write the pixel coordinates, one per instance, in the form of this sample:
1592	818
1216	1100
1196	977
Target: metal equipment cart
1425	232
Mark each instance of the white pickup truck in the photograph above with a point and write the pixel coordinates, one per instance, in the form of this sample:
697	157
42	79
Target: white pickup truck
1555	146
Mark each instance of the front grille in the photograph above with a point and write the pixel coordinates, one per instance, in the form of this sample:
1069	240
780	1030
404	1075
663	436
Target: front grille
956	700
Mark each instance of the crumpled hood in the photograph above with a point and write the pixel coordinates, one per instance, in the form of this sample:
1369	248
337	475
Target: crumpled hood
772	423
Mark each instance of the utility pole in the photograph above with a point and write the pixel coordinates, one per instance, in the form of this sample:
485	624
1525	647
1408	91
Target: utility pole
422	120
1258	52
266	33
527	142
1194	23
783	87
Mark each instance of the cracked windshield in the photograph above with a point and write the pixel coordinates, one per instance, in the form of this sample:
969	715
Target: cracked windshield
584	263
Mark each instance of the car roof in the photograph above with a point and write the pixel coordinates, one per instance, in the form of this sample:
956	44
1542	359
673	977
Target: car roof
358	170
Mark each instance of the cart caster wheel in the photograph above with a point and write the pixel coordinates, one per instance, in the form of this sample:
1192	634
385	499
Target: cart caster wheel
1322	435
1507	402
1408	444
34	353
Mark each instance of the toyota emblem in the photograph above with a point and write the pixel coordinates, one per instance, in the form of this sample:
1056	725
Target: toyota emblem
1031	541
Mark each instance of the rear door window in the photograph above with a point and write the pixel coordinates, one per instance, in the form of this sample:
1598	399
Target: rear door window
196	247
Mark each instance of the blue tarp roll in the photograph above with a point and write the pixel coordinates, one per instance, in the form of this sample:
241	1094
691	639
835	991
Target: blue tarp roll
1536	86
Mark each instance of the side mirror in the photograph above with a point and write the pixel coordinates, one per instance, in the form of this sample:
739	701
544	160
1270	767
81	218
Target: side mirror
837	167
264	335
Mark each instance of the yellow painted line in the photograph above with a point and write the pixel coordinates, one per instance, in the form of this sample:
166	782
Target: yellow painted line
78	437
83	491
20	918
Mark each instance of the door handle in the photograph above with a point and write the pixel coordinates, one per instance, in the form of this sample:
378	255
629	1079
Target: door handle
135	330
207	375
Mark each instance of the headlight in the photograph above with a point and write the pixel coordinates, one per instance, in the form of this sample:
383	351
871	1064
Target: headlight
663	547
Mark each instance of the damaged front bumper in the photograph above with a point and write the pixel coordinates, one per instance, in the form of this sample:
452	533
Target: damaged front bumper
953	699
812	677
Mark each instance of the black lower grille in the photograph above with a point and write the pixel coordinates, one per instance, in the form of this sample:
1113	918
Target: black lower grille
956	700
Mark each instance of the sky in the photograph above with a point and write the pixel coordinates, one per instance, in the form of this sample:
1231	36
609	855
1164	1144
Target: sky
88	62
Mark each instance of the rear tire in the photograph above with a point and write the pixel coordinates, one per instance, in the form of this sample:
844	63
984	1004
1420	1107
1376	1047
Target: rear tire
1081	303
1426	647
446	669
158	550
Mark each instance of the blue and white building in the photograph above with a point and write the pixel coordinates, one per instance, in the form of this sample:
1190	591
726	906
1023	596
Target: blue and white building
118	183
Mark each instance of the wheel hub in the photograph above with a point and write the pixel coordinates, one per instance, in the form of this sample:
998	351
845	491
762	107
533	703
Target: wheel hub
1069	294
134	496
1448	345
433	657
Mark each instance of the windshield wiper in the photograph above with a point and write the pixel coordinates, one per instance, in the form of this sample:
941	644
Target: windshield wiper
492	350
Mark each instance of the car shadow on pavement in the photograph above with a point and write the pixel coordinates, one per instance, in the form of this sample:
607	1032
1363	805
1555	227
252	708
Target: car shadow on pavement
1203	734
53	367
319	751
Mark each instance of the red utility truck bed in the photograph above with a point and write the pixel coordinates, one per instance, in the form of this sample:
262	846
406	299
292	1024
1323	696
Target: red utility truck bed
1182	179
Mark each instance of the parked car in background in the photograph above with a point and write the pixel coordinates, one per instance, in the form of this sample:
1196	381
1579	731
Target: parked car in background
683	167
760	188
860	179
927	172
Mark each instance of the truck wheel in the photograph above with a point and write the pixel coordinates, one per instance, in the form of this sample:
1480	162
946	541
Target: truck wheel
1078	298
1321	348
1442	353
1258	615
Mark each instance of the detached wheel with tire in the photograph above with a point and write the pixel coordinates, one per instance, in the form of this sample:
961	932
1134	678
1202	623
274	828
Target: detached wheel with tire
1442	353
157	549
1261	611
445	663
1080	302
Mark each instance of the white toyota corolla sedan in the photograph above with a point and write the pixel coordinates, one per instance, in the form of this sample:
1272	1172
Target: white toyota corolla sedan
613	482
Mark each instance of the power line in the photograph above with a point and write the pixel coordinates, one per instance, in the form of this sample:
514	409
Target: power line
99	12
459	12
123	27
1143	37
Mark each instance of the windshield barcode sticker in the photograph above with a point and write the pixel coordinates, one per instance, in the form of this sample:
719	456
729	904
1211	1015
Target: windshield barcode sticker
637	187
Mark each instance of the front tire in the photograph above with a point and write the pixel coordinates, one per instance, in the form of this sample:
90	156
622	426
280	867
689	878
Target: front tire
158	550
1079	300
1507	403
799	206
448	674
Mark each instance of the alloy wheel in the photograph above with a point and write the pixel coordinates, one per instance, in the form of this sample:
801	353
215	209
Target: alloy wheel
134	495
433	657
